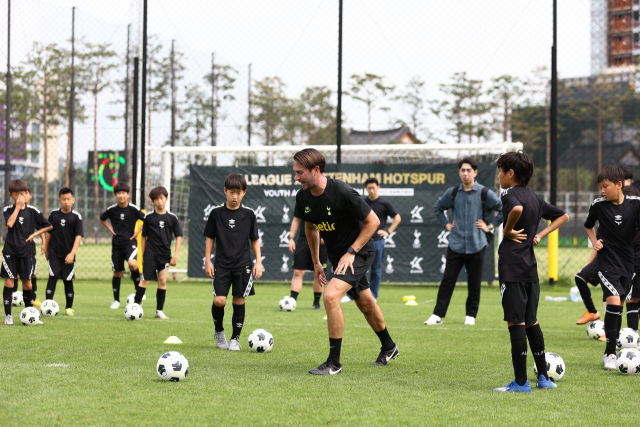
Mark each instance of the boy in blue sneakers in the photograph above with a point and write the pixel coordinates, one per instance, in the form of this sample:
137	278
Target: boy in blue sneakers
517	266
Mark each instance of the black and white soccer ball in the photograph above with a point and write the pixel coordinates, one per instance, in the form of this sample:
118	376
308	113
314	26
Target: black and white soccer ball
133	312
172	366
17	299
49	308
30	316
628	361
595	329
628	338
555	366
260	341
288	303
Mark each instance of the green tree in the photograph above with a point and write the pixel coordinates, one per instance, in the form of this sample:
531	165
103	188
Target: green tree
223	80
506	92
412	98
371	90
314	120
195	115
271	112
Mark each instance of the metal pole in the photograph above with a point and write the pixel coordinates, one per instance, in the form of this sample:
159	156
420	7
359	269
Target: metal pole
72	101
7	114
126	108
134	161
143	116
173	118
213	105
554	108
249	119
339	111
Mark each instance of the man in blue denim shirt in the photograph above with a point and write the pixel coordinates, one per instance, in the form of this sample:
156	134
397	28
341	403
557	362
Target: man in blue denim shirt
467	241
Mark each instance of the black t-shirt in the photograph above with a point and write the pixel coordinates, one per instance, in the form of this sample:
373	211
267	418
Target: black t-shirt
66	226
302	234
517	261
123	221
232	229
159	230
337	214
636	252
28	221
617	229
383	208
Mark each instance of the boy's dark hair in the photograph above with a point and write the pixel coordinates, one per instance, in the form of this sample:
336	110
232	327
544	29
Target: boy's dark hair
471	161
611	173
122	186
521	164
630	190
235	181
65	190
628	173
18	185
371	181
310	158
157	192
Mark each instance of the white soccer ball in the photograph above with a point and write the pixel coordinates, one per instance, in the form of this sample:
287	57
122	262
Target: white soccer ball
16	299
288	304
131	299
628	361
172	366
260	341
30	316
595	329
133	312
628	338
49	308
555	366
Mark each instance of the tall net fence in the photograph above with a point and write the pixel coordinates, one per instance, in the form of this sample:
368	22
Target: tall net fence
265	73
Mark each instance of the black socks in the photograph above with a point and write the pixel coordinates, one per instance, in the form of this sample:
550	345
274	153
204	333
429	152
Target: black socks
34	287
238	320
335	345
115	282
68	292
139	294
6	299
519	353
632	315
536	343
316	298
612	319
218	315
585	293
385	340
294	295
51	287
135	275
160	296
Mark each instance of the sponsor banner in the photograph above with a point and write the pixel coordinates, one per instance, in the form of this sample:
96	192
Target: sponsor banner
414	252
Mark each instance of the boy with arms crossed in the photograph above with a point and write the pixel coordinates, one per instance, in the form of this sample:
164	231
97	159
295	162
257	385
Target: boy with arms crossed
230	226
517	266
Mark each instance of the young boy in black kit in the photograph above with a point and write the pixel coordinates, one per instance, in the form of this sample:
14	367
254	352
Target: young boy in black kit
517	266
61	246
17	254
618	217
230	227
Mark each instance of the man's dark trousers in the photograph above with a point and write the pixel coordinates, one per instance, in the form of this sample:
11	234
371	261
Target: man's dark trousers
455	262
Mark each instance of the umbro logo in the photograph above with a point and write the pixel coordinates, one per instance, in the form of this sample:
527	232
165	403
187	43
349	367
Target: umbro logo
232	223
122	216
618	219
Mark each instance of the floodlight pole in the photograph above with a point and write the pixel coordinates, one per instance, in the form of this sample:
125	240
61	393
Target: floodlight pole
143	116
339	110
126	107
72	100
554	109
134	148
7	113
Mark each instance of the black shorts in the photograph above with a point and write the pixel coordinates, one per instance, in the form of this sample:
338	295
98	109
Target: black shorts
635	287
122	254
589	274
57	268
152	264
358	279
302	256
13	266
241	280
520	302
614	285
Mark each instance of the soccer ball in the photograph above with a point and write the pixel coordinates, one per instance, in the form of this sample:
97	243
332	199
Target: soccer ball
131	299
30	316
628	361
595	329
17	300
172	366
260	341
49	308
133	312
288	304
555	366
628	338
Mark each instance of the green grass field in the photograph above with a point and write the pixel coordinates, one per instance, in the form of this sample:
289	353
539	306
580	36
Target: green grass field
99	369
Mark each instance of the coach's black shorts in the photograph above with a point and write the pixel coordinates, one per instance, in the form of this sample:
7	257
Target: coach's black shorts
13	266
122	254
614	284
589	274
302	256
358	279
152	264
57	268
241	280
520	301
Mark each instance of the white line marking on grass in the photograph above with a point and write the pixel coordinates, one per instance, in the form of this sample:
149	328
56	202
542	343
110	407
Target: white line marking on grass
57	365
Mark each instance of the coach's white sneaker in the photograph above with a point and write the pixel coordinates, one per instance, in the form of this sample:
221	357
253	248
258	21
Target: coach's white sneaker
468	320
221	340
115	304
8	319
161	315
346	298
234	344
610	364
434	320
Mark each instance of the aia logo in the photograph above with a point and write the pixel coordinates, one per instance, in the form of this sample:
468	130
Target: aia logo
415	214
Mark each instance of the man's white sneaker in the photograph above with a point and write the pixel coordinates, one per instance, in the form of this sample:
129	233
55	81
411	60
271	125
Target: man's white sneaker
346	298
468	320
161	315
610	363
434	320
234	344
221	340
115	304
8	320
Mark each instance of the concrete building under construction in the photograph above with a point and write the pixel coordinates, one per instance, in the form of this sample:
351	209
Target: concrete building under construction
615	35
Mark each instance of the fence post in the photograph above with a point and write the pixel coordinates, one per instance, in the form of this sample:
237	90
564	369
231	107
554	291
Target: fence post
552	246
